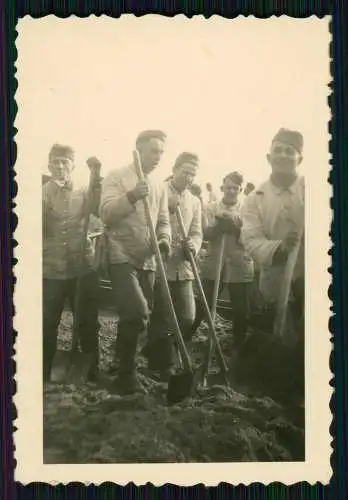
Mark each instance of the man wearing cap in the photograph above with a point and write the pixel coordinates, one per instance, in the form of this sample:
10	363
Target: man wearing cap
178	268
273	224
237	270
132	263
64	210
273	219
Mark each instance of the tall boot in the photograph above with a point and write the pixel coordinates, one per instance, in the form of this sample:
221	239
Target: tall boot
160	356
127	381
199	317
49	351
93	372
116	354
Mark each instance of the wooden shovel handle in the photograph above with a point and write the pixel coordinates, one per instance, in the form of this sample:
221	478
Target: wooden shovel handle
218	270
163	278
94	171
283	298
210	317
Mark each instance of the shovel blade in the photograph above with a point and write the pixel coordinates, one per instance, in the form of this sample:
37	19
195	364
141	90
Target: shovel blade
218	379
80	367
180	387
60	367
72	368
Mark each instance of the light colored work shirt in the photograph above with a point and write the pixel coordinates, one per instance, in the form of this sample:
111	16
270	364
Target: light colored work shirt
238	266
269	213
64	210
127	230
177	268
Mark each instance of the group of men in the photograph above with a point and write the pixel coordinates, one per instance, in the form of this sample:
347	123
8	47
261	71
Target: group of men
260	232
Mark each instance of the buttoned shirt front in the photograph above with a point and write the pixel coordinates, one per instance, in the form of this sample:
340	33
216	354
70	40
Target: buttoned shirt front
126	225
238	266
177	267
270	213
64	210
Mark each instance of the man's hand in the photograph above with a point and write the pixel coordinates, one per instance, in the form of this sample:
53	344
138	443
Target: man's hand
286	246
188	248
94	166
290	241
140	191
227	224
93	163
164	247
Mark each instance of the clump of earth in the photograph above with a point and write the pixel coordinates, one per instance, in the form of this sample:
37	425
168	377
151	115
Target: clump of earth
241	423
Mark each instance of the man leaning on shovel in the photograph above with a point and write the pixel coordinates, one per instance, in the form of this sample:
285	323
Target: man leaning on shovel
131	261
273	225
237	268
178	268
64	210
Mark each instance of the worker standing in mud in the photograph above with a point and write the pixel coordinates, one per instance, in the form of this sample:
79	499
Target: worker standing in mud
178	268
274	215
131	261
64	209
273	219
238	270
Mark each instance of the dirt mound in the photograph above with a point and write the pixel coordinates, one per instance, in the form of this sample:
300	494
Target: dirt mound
91	425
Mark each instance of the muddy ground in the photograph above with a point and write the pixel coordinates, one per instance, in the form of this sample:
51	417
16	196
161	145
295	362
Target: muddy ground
90	424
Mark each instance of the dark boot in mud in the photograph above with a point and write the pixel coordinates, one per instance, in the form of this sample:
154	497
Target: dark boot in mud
127	381
94	373
114	366
160	357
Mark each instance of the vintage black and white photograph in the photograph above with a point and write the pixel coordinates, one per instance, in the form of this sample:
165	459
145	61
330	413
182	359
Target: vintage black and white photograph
172	299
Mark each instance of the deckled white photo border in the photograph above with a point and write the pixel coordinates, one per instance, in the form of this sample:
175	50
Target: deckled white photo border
27	322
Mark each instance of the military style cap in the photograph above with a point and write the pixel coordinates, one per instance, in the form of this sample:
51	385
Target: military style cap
235	177
151	134
63	151
291	137
186	157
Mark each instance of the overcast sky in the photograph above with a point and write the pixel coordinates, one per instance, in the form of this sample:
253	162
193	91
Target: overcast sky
218	87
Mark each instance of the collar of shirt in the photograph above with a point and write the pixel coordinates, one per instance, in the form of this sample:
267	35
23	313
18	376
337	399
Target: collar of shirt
64	184
229	208
173	188
278	189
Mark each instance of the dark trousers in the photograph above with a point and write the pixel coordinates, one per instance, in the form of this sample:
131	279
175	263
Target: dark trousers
240	297
298	312
55	294
160	340
133	296
296	344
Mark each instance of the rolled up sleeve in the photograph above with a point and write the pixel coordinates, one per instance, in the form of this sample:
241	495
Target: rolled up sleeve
253	236
114	202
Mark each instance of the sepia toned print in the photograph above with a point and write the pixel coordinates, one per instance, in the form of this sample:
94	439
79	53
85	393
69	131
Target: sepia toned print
172	302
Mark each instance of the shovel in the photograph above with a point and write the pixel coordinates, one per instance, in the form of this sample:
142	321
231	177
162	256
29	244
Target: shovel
74	365
207	358
283	298
266	363
180	385
210	316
